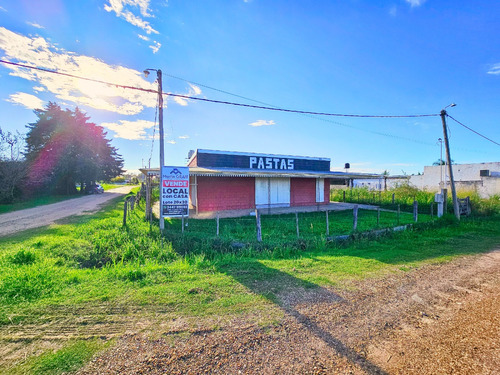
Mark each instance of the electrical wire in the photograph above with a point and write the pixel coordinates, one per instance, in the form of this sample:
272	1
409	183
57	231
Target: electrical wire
153	140
472	130
306	115
188	97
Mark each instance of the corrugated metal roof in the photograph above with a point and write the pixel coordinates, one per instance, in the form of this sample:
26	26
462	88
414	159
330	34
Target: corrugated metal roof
230	172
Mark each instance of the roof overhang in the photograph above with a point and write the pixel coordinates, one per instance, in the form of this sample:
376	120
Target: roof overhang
230	172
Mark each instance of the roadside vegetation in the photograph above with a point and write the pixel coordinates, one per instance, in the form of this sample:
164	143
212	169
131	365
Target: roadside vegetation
93	278
405	195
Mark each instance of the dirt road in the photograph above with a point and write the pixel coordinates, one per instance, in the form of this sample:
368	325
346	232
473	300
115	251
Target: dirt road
438	319
40	216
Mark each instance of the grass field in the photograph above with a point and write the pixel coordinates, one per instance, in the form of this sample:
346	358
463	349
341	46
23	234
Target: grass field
43	200
67	290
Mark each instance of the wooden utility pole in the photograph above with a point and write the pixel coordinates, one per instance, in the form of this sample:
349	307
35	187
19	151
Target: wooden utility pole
450	169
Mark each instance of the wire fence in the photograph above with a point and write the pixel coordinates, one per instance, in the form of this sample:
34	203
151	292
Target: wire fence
260	226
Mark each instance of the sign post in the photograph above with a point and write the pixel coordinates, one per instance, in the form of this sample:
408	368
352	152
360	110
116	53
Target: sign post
174	191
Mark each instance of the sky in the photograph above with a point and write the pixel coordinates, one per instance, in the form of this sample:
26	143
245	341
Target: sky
370	57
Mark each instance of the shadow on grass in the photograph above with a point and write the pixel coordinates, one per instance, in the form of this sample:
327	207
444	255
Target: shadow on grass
429	242
287	292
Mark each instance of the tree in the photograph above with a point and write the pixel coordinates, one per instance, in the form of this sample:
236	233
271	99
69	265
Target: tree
63	148
441	162
12	170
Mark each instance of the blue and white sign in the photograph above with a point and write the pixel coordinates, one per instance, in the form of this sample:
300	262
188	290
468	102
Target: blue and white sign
174	191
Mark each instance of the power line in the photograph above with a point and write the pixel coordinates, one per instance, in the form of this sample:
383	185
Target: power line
307	115
472	130
188	97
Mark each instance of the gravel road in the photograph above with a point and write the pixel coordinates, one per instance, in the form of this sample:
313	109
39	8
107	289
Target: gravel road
40	216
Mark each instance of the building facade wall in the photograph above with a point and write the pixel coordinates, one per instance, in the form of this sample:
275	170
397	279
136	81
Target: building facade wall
225	193
302	191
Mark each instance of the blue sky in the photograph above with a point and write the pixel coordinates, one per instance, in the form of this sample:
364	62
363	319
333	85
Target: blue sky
363	57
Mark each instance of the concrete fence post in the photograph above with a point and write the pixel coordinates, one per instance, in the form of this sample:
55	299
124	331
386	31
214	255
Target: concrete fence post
297	223
415	211
217	221
327	224
259	228
355	217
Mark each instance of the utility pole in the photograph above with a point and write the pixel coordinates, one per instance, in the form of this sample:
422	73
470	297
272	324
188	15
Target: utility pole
450	169
162	156
160	125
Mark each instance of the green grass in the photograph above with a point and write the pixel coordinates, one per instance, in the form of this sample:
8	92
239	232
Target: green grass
405	195
282	228
93	267
65	360
106	186
34	202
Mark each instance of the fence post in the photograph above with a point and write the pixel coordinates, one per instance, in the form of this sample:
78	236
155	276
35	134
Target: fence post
432	210
399	212
378	216
259	229
125	213
327	224
132	203
297	223
393	198
217	220
344	196
355	217
415	211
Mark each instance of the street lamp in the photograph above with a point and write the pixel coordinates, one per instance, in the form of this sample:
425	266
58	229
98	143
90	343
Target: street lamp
160	124
448	160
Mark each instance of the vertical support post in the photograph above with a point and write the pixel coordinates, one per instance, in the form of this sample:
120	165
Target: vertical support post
344	196
148	197
297	223
217	221
445	200
399	212
355	217
456	210
162	147
327	224
125	213
182	223
393	198
259	228
378	216
415	211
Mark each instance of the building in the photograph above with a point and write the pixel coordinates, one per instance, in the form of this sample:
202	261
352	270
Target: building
227	180
483	178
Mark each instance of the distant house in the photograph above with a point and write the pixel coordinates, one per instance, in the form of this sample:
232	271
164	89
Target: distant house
484	178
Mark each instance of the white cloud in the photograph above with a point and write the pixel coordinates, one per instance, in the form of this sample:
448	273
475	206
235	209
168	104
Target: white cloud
119	8
494	69
132	130
183	136
195	89
38	88
39	52
143	37
262	123
34	24
171	141
2	9
415	3
28	100
155	47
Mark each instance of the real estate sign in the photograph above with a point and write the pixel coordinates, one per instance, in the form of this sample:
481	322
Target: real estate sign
175	191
